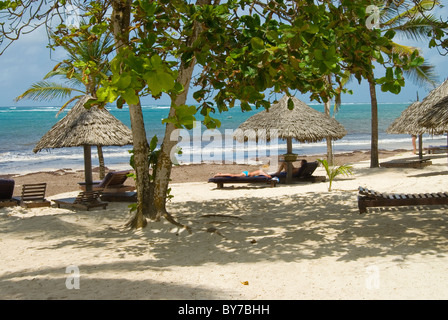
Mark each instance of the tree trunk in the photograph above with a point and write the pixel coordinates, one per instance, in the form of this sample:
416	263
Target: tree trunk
329	140
120	22
101	161
374	162
141	166
164	162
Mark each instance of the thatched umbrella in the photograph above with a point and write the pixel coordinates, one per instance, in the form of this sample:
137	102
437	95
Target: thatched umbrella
431	113
423	117
437	116
302	123
86	128
407	123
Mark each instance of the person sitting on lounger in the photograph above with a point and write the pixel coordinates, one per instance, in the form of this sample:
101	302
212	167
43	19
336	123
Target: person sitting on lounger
244	174
295	171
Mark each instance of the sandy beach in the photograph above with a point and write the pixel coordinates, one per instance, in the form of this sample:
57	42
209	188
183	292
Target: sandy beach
249	242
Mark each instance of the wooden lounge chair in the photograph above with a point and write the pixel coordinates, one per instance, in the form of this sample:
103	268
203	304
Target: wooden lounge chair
129	196
112	182
304	174
84	200
33	196
407	163
436	149
370	198
6	192
257	179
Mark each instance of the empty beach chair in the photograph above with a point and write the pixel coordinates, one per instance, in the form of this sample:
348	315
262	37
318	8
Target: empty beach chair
369	198
407	163
85	200
33	196
6	192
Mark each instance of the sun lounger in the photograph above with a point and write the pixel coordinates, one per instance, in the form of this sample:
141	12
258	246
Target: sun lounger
370	198
257	179
6	192
407	163
304	174
112	182
33	196
119	196
84	200
436	149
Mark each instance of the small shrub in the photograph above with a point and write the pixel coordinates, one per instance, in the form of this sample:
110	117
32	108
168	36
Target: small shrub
333	172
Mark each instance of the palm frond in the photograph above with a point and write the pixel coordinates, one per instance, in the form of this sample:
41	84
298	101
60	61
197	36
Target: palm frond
416	28
67	103
391	15
63	71
424	75
45	91
403	50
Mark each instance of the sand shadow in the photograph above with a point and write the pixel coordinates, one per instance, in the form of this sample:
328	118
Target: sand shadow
295	228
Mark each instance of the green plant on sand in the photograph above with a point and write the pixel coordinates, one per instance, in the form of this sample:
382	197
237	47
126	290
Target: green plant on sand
334	171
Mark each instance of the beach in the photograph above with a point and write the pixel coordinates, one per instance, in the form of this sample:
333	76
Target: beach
248	242
66	180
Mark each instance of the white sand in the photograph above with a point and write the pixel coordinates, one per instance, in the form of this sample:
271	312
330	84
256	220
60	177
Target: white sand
288	242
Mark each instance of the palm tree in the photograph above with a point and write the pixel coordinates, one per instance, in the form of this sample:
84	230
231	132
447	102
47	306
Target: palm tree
413	25
83	55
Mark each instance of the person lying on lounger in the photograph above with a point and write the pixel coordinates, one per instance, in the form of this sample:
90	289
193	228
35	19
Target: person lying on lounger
295	171
244	174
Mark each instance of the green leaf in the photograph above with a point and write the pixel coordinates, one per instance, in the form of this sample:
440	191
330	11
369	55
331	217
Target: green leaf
290	104
159	81
120	103
313	29
257	43
122	81
130	96
156	61
166	80
318	54
153	143
102	93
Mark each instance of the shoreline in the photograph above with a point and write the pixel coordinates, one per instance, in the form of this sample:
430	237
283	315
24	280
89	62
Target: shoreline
66	179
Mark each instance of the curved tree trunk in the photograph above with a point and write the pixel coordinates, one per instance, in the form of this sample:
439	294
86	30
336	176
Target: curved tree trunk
164	163
121	21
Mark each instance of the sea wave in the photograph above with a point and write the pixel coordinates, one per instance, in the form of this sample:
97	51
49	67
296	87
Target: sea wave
17	110
206	147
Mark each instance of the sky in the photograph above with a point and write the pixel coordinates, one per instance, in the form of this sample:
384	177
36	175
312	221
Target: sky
28	60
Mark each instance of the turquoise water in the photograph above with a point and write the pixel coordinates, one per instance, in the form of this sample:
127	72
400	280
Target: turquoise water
22	127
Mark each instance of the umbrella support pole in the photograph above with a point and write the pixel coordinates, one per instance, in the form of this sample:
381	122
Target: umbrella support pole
420	146
88	167
289	159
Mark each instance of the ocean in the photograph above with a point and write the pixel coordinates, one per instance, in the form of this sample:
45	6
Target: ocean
22	127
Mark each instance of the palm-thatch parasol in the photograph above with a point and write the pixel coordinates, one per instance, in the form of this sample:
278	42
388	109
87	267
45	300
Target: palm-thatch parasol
423	117
302	123
437	116
86	128
430	113
407	123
